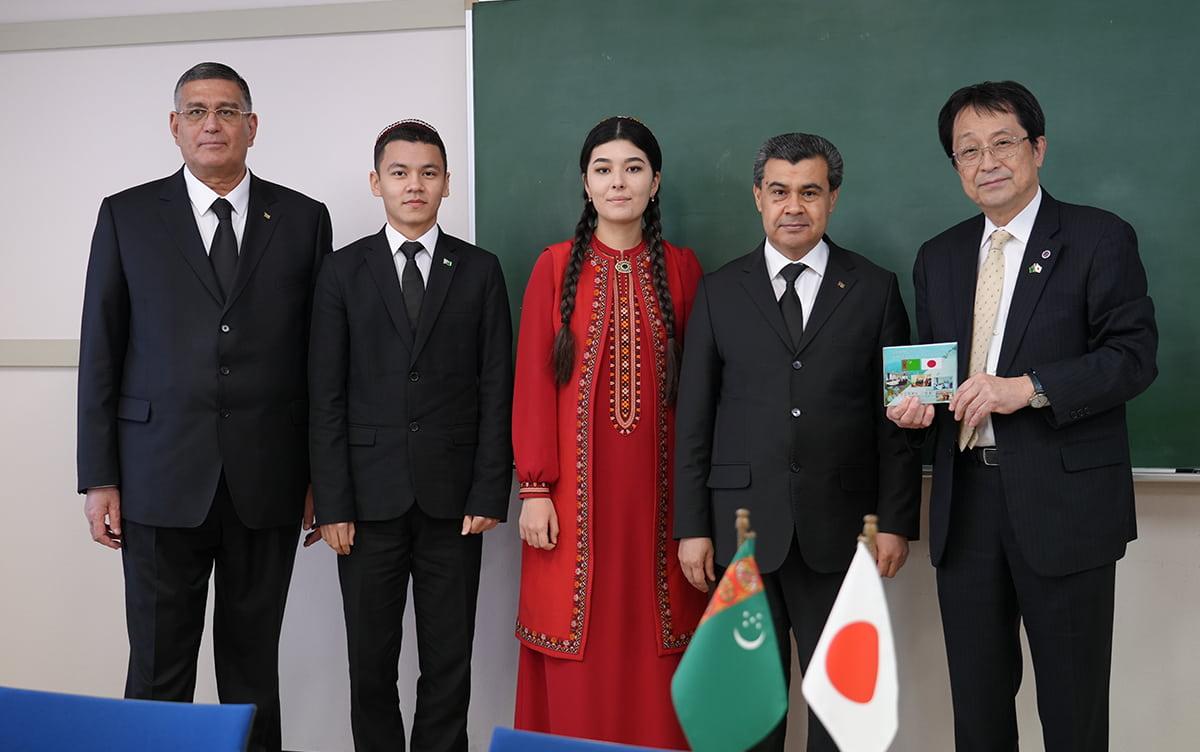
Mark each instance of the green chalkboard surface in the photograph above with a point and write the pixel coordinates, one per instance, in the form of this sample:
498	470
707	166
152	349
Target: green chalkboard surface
713	78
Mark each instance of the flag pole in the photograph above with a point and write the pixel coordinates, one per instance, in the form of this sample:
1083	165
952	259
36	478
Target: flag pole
870	529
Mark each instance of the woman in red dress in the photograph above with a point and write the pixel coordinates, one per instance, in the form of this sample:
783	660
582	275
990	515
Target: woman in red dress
605	613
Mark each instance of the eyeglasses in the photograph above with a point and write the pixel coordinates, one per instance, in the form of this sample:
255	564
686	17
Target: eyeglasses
200	114
1001	148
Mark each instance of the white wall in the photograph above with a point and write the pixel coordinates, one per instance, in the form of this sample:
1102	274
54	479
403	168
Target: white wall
82	123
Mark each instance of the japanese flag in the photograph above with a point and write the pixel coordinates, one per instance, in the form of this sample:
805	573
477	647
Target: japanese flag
851	681
931	364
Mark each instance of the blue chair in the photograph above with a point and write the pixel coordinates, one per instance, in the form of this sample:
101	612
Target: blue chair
32	721
511	740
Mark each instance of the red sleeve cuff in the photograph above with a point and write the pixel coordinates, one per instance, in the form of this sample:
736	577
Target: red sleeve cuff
530	489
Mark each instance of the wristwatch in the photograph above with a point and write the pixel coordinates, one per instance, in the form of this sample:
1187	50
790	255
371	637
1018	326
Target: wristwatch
1039	398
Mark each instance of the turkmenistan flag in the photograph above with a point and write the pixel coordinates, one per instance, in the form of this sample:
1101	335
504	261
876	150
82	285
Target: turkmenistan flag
728	690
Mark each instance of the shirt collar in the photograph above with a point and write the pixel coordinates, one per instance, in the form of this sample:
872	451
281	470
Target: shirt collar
1021	226
202	196
428	240
816	259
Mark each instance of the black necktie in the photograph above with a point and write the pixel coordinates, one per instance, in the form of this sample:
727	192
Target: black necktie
223	255
789	302
411	283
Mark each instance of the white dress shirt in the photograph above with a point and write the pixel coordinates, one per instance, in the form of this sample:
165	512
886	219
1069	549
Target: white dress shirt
1020	228
424	258
202	198
809	280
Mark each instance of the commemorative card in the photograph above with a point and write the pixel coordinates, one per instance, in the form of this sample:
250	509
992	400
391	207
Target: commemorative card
927	372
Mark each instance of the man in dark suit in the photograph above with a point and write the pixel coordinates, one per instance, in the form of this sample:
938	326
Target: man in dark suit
193	402
781	406
410	371
1032	500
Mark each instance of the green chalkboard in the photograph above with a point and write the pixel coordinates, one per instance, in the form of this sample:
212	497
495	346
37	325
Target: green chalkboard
713	78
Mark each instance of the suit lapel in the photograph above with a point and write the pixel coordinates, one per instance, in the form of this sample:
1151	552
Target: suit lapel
964	270
835	285
379	261
445	262
758	287
262	216
177	214
1041	252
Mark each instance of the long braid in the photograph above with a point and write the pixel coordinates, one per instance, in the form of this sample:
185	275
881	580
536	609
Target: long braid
563	357
652	228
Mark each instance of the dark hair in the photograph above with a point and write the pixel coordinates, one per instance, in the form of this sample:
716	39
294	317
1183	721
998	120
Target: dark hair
618	128
208	71
795	147
416	131
994	97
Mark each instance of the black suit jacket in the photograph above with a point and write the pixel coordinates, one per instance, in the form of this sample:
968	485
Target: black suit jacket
176	383
1086	325
737	443
400	417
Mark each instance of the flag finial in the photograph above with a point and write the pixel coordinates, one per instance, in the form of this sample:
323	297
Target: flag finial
870	530
743	526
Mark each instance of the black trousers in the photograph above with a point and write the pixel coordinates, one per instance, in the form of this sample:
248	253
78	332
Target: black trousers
985	590
800	601
444	565
166	590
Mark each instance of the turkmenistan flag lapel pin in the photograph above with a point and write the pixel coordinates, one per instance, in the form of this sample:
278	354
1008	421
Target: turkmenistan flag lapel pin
1035	268
447	262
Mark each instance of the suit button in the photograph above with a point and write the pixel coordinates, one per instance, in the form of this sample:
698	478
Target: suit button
225	328
414	426
797	365
414	376
795	467
224	370
225	413
796	412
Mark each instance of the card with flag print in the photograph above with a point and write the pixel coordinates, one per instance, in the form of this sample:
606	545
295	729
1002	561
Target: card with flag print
851	682
927	372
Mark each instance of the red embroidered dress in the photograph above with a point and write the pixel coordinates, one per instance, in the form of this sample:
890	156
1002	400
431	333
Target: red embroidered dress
603	616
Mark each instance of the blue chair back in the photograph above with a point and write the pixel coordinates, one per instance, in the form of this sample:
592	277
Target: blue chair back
32	721
511	740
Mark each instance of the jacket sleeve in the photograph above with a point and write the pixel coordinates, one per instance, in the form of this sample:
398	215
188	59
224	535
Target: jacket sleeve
899	502
535	395
103	337
328	369
1122	335
695	415
917	437
493	458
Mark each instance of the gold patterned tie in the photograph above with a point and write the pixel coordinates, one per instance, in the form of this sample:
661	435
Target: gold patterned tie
987	302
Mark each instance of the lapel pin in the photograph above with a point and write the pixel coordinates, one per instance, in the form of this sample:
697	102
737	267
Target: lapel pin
1036	268
841	284
266	215
1046	254
447	262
